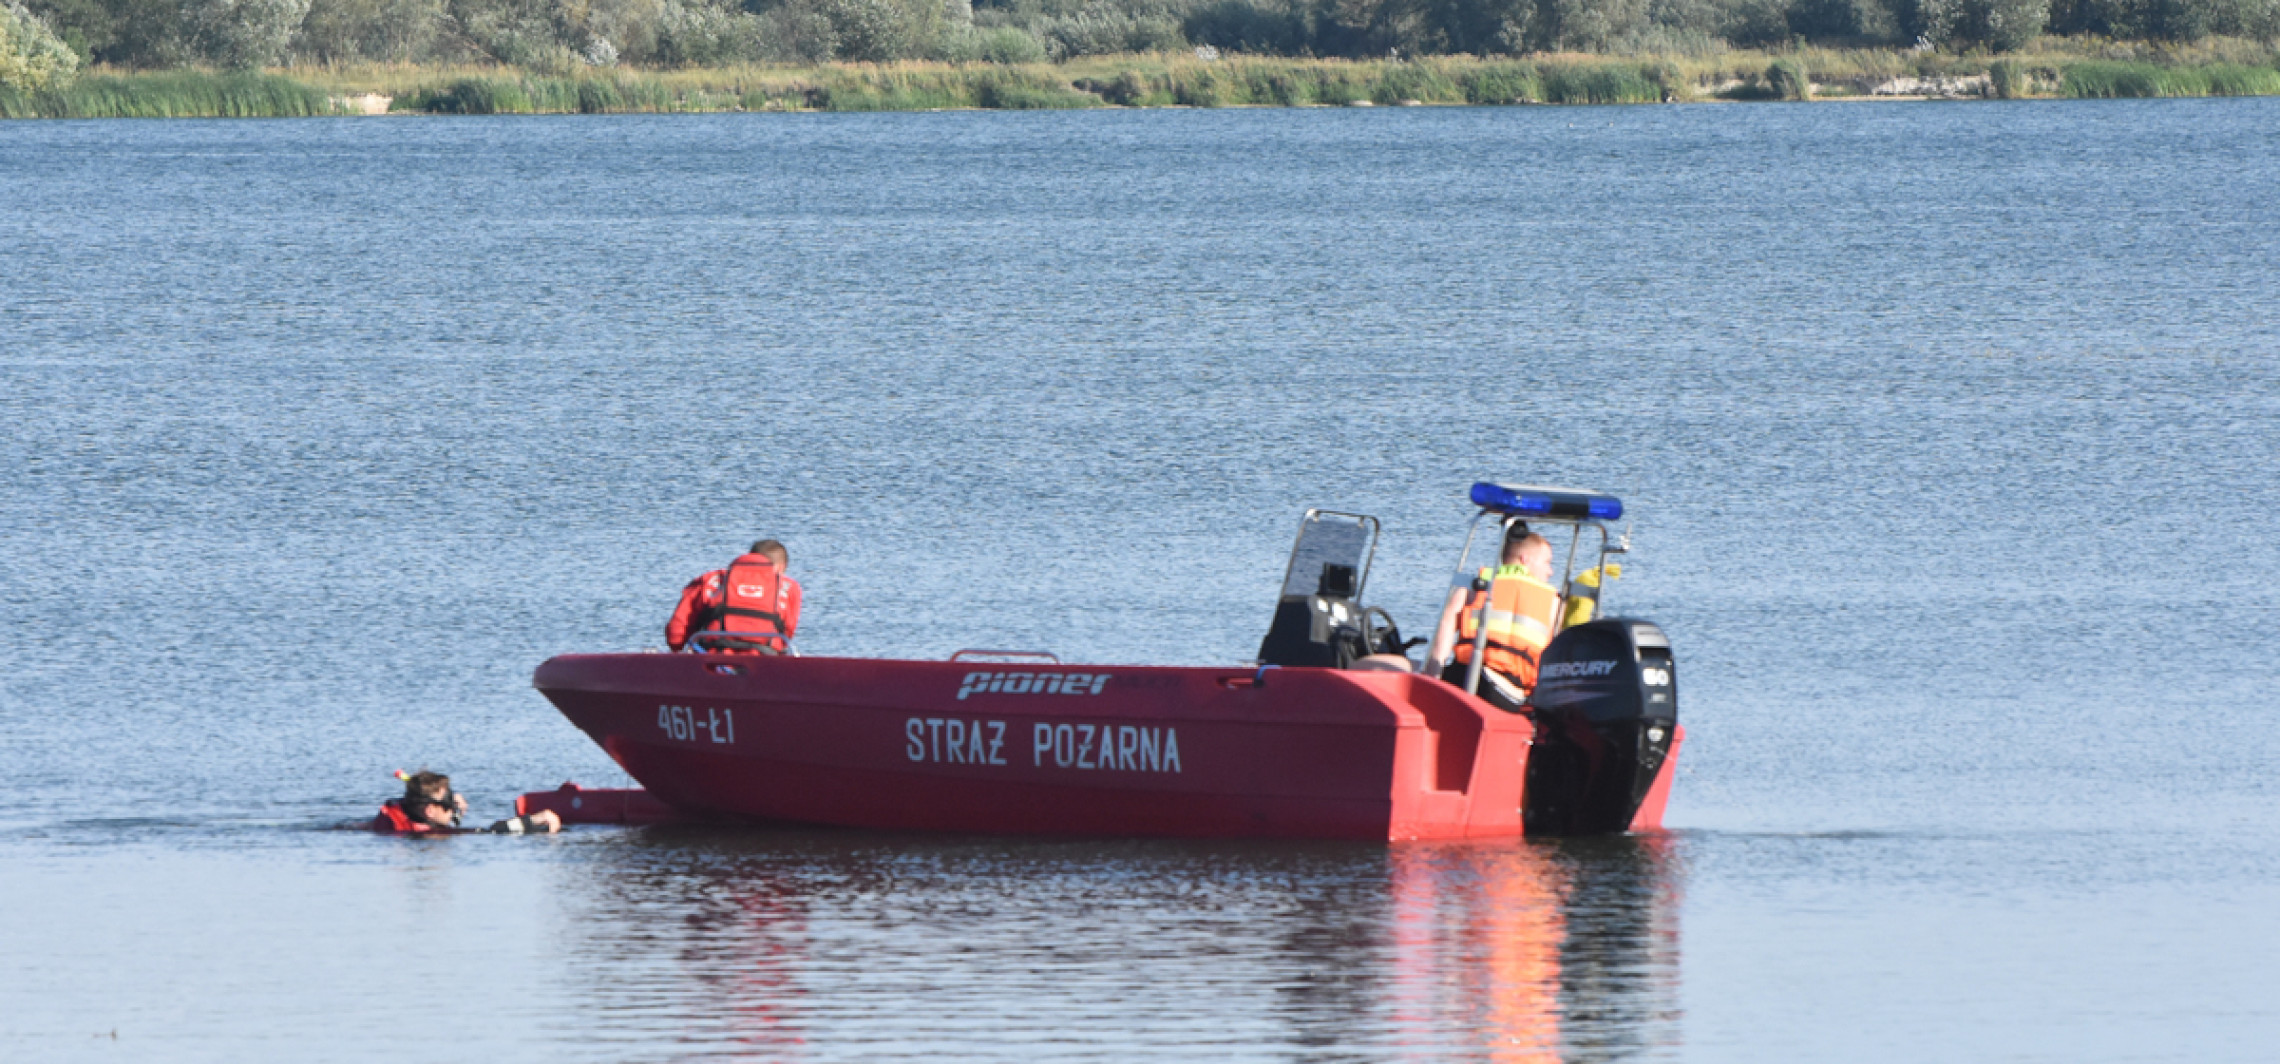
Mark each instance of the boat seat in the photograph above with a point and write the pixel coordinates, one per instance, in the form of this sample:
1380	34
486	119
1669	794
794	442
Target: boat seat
1383	663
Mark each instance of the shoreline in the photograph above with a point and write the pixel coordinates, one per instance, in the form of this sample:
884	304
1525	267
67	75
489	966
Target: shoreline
1152	81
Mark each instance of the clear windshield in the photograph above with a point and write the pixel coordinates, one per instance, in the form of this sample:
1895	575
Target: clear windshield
1333	539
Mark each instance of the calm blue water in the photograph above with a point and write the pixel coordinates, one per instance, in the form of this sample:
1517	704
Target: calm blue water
1949	431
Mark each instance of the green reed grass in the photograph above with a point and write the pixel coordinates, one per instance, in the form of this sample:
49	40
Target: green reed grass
1599	83
1501	83
2118	80
174	94
1154	80
500	95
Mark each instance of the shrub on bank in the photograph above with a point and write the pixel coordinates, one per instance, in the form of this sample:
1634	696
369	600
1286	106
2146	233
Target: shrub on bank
2008	79
1003	45
32	57
1787	79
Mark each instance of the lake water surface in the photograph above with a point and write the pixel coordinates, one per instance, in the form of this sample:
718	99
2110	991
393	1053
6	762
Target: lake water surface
1949	433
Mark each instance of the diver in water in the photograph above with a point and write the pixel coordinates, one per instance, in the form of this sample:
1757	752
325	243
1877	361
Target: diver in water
429	805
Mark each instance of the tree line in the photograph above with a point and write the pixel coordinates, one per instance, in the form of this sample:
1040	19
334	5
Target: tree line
568	35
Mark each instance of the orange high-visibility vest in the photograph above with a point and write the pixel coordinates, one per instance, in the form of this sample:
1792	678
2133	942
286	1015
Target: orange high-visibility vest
1520	612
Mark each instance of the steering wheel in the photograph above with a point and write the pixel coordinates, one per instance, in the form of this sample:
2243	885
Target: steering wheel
1384	637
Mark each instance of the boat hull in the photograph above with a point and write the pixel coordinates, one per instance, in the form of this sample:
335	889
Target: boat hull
1077	750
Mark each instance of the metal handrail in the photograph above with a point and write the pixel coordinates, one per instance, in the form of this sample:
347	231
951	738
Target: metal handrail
979	652
1466	576
700	638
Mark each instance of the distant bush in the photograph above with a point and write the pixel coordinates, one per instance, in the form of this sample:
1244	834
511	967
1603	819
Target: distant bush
2001	25
1754	23
707	34
1862	21
241	34
2008	78
2257	19
1104	32
1569	25
32	57
341	31
1243	26
1787	79
798	32
998	44
878	31
2160	20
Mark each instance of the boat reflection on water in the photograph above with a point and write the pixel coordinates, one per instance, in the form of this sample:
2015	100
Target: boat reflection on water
831	944
1514	951
1543	951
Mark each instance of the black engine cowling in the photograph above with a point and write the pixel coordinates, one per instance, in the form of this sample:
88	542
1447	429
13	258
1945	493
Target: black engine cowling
1606	708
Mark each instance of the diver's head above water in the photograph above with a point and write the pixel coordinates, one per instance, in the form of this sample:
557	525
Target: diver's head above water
428	799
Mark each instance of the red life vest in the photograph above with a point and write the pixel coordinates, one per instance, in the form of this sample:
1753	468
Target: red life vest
753	601
394	821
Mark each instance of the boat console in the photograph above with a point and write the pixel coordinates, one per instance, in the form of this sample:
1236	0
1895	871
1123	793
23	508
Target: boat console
1320	622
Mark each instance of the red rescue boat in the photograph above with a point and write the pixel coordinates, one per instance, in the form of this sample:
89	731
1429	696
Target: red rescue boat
1330	735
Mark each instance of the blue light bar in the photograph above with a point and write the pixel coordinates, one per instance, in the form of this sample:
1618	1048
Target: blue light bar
1526	501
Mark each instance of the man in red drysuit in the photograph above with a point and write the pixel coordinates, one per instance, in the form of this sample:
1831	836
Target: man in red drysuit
761	604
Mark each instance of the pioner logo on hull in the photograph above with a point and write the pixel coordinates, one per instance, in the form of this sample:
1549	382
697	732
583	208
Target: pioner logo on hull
1032	683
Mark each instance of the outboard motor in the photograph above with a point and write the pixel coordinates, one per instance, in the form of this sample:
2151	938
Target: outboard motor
1606	709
